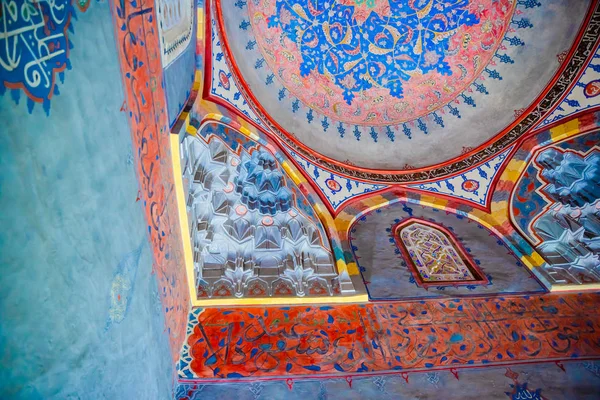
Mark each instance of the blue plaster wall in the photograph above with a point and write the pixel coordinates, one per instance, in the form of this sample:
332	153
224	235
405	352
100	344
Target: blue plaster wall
71	231
179	78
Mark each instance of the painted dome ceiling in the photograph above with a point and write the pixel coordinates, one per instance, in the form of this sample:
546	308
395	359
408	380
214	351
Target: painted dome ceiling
386	86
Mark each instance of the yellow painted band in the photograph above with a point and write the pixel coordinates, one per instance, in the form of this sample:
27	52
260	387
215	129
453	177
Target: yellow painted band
352	268
565	130
188	257
359	298
577	288
191	130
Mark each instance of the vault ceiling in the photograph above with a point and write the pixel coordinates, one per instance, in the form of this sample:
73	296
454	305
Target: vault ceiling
400	91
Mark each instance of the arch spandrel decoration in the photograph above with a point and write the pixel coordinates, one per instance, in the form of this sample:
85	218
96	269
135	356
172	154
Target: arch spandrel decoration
253	233
555	205
434	255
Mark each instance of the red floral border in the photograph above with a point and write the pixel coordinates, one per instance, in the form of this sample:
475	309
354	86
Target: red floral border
138	48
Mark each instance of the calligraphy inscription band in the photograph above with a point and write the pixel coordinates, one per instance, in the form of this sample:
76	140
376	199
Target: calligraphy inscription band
393	336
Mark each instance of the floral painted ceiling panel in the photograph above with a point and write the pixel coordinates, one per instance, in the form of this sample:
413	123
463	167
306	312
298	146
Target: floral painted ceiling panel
383	63
369	88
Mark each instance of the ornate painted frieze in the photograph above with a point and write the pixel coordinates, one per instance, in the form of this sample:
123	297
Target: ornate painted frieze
388	338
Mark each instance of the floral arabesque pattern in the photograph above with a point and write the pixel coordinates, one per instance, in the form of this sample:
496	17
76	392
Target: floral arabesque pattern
283	342
328	54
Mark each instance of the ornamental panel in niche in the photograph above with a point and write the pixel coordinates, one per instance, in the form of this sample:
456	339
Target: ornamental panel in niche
249	237
434	255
